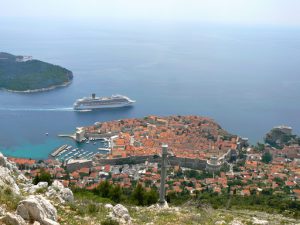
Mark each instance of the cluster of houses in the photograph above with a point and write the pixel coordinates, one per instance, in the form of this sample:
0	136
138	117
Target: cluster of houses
189	138
186	136
282	176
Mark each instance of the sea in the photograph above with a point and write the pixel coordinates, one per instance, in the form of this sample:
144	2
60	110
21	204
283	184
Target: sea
247	78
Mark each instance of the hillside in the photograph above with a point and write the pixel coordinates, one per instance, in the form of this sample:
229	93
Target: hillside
23	203
18	73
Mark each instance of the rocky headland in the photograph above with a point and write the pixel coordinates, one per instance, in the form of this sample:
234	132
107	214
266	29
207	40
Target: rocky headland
24	74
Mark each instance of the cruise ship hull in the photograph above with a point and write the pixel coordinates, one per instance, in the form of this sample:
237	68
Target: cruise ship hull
92	107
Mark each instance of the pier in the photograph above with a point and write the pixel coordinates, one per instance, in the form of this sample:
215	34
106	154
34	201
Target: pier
104	149
68	136
58	150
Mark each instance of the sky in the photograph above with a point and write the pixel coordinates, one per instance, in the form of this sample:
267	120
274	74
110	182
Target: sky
269	12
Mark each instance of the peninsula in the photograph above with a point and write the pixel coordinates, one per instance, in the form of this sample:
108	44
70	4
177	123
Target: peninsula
24	74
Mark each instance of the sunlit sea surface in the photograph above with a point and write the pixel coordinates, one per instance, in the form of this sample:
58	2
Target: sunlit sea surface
246	78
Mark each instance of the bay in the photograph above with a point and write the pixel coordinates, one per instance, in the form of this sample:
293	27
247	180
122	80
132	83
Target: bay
246	78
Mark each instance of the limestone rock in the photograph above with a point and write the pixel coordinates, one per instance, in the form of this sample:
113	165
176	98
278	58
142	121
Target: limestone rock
7	180
50	222
57	185
58	191
7	171
31	189
37	208
67	195
2	211
236	222
160	206
5	163
261	222
120	210
2	160
108	206
12	219
42	185
163	205
22	178
121	214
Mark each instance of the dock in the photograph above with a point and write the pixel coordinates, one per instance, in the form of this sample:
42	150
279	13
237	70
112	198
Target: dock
58	150
73	136
104	149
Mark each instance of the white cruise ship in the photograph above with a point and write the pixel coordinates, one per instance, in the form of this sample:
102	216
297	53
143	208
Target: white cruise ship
93	102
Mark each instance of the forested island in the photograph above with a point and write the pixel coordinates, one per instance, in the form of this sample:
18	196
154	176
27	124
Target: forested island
24	74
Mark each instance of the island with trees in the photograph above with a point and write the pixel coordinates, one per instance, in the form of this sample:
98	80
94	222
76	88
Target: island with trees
24	74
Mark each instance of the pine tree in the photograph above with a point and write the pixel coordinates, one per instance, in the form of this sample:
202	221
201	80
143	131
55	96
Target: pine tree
138	195
115	193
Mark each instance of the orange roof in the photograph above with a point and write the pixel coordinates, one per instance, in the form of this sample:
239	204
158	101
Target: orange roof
21	161
119	142
84	170
75	175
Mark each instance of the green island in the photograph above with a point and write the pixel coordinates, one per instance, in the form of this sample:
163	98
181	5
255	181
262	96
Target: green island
24	74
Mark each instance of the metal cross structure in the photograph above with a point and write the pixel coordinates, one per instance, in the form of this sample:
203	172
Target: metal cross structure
162	191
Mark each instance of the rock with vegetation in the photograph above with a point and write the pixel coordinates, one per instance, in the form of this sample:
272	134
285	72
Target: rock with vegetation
58	191
278	138
7	181
12	219
16	207
31	189
5	163
120	213
37	208
2	211
102	207
30	75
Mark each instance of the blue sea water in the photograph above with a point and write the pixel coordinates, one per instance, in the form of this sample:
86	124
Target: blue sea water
246	78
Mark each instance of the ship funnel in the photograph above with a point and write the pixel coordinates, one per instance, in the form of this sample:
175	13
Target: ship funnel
93	95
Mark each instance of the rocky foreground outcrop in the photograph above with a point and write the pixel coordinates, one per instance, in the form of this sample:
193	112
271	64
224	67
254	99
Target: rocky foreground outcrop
56	191
32	208
38	205
35	203
37	208
119	213
8	171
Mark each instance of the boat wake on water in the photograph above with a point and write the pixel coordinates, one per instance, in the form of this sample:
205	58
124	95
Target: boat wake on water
70	109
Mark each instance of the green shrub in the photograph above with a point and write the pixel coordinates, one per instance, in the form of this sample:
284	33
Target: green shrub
93	208
109	222
43	176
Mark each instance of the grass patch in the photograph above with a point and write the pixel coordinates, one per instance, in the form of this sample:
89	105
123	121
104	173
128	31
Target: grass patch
8	198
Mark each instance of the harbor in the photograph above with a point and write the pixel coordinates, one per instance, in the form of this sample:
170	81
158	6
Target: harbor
86	149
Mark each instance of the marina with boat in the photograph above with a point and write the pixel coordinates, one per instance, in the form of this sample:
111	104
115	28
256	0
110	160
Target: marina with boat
85	150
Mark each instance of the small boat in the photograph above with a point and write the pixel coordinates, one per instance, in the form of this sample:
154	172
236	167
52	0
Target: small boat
46	134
